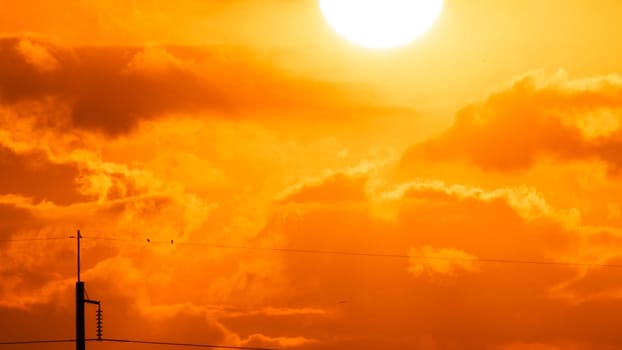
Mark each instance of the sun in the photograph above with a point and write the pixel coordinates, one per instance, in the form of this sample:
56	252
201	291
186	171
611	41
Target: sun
381	24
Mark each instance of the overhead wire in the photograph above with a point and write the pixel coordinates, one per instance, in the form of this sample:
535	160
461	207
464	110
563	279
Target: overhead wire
32	239
194	345
148	342
324	252
25	342
363	254
148	241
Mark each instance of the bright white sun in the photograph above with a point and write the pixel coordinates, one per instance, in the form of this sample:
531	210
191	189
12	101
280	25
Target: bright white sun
381	24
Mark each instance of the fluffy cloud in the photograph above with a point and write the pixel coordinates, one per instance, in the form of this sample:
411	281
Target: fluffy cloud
111	89
37	55
30	173
194	179
280	342
445	261
441	283
536	117
338	187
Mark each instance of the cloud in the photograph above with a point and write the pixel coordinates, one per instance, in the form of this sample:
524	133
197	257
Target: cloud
103	94
37	55
451	225
335	188
533	346
261	340
536	117
25	297
30	174
445	261
212	183
13	219
242	297
593	284
525	201
112	89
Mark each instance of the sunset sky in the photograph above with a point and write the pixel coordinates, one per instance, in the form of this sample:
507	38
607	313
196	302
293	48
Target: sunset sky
226	125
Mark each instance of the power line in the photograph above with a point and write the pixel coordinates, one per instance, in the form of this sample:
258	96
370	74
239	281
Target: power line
212	346
34	239
181	344
330	252
24	342
367	254
270	249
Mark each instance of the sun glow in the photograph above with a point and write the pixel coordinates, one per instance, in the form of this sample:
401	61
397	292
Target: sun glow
381	24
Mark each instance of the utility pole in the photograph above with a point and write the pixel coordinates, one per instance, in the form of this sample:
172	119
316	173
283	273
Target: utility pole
80	302
80	333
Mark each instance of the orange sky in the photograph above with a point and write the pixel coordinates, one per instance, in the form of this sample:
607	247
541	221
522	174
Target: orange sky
497	135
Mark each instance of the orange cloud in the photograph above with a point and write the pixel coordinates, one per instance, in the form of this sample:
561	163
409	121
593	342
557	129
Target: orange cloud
534	346
13	219
536	117
30	173
111	89
335	188
455	225
239	296
445	261
261	340
37	55
227	179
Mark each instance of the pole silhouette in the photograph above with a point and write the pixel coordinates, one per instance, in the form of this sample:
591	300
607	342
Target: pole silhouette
80	331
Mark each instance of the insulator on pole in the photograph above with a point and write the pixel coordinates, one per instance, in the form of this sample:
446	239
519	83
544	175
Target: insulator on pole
99	326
